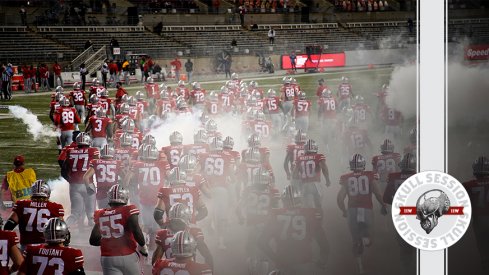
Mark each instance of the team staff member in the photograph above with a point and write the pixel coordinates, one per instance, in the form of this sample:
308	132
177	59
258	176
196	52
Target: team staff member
18	182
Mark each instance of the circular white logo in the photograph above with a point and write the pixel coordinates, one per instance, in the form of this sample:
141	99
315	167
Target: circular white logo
431	210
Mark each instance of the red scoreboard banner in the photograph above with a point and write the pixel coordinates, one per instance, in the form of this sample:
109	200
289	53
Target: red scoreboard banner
324	60
477	52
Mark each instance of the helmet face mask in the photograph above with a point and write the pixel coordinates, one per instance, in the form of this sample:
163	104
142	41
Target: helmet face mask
126	140
216	144
150	152
183	245
176	138
40	189
83	139
408	163
56	231
107	152
228	143
387	147
357	163
200	137
300	137
254	140
177	176
118	195
311	147
188	163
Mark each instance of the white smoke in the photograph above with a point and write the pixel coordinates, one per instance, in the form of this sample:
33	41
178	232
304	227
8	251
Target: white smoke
60	193
34	126
187	125
402	94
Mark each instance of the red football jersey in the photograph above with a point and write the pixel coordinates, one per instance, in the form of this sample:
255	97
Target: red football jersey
327	107
227	102
271	105
126	155
164	236
217	167
62	155
142	106
66	118
105	103
46	259
182	91
173	154
359	188
184	267
246	172
264	153
166	105
479	196
394	180
309	168
344	91
288	92
361	112
181	193
258	203
33	216
196	180
197	96
320	89
116	240
151	90
137	137
7	240
392	117
91	108
262	127
213	108
78	97
195	149
107	172
386	164
302	107
295	150
356	139
99	126
150	177
294	229
78	160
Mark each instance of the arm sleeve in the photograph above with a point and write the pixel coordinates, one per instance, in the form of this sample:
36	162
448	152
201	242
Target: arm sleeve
136	229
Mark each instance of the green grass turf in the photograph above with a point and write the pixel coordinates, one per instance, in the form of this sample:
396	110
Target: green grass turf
14	138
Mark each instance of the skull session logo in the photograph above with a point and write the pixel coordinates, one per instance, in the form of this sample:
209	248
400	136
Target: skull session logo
431	210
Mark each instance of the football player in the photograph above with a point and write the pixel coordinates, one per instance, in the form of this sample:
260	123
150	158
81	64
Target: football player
344	93
197	96
100	128
327	114
179	219
212	105
82	196
181	90
79	100
106	102
293	151
128	126
300	112
118	234
321	87
150	172
92	106
412	147
228	146
260	125
151	88
32	215
287	95
478	189
394	180
273	107
190	164
226	99
254	141
293	228
393	120
307	172
386	163
9	241
218	168
107	171
178	191
67	119
200	144
175	150
356	140
165	103
249	168
256	202
358	186
183	247
211	129
54	256
361	112
143	106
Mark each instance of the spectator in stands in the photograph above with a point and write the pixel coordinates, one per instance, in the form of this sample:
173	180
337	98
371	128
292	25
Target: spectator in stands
104	70
44	73
242	12
189	67
23	16
293	59
57	74
234	43
88	44
227	63
178	66
410	25
271	36
158	28
113	44
141	67
215	5
83	75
